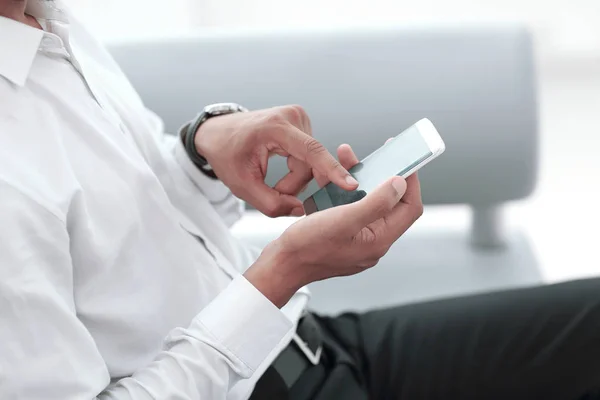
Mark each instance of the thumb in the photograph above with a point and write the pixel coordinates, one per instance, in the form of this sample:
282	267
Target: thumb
376	204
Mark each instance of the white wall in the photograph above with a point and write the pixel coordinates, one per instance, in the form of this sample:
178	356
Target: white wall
563	29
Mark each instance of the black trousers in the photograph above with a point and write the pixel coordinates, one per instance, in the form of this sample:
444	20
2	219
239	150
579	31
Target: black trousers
534	343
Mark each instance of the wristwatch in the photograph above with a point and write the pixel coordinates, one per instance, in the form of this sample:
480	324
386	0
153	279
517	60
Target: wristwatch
188	135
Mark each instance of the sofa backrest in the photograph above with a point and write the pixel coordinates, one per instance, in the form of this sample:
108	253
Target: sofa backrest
361	86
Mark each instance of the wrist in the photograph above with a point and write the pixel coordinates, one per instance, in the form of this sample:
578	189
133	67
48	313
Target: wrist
276	275
201	127
202	137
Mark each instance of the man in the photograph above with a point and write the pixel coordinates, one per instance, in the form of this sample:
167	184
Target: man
120	280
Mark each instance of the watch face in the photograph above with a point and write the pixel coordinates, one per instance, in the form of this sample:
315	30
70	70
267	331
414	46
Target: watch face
223	108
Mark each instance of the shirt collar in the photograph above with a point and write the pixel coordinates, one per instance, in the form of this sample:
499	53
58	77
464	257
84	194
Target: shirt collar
20	42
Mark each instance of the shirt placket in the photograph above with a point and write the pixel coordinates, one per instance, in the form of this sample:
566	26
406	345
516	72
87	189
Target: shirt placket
62	31
222	262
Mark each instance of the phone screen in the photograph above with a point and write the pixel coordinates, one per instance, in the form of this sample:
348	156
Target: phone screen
397	157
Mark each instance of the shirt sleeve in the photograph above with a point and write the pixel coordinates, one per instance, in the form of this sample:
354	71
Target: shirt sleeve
48	353
174	164
220	347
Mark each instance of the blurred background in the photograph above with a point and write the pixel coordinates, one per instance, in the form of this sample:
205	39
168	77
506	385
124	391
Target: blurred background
564	32
562	217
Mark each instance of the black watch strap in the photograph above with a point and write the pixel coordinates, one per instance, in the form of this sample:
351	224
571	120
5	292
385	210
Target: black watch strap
189	136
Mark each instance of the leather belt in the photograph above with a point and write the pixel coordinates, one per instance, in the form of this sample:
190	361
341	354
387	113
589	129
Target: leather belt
303	352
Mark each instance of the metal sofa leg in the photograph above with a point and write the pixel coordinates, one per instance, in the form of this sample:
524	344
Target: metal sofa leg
487	226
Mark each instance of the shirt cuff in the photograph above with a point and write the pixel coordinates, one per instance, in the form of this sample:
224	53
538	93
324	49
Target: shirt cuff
213	189
245	322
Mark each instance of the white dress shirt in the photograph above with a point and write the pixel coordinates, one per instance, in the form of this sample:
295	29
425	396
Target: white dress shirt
119	278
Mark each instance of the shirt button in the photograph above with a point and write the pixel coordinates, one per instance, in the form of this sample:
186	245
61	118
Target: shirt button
47	41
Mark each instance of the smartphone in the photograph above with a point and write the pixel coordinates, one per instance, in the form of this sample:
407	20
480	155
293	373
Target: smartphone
404	154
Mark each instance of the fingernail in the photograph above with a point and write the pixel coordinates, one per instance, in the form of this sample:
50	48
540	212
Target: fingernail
351	181
297	212
400	185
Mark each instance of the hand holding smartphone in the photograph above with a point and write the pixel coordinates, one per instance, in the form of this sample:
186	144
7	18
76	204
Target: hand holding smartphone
403	155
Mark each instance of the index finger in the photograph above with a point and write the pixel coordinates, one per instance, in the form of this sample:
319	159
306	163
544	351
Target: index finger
309	150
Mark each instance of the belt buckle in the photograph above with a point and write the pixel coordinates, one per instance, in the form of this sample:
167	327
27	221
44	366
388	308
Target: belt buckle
315	357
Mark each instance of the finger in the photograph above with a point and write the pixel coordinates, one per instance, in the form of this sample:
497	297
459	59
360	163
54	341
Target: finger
347	159
297	116
320	178
307	149
269	201
294	181
297	212
412	198
406	212
402	217
346	156
413	191
376	205
278	152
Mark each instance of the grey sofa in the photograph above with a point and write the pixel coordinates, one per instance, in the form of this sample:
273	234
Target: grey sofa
361	86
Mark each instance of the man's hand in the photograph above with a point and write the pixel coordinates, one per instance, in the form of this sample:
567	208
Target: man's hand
238	147
339	241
